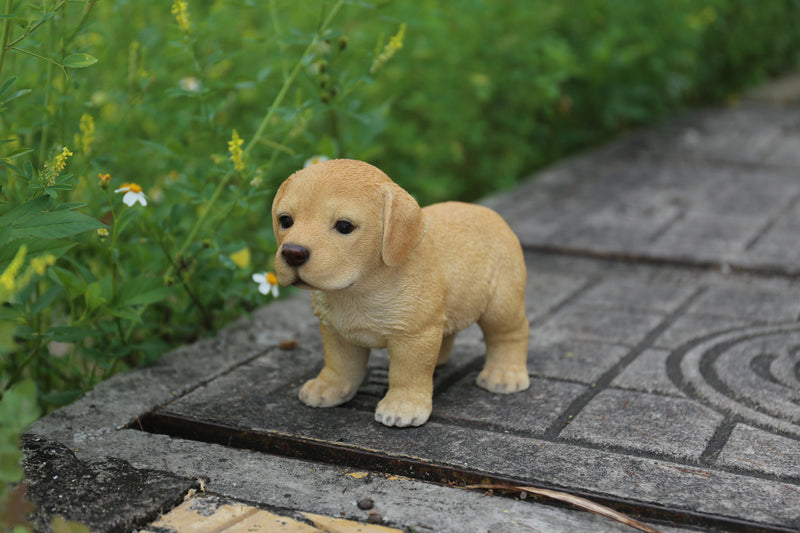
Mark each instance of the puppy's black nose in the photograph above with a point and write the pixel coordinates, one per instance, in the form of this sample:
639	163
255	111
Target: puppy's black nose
295	255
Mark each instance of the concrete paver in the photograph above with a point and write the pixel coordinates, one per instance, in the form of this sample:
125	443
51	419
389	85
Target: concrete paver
664	298
693	191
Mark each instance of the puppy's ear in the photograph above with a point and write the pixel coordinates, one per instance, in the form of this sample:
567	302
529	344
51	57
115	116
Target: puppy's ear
403	225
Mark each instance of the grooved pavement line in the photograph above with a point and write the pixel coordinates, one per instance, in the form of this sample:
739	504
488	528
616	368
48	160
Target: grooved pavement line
605	380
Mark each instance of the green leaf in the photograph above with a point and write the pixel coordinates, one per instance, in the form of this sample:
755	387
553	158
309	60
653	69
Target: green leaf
15	169
150	297
7	337
21	212
70	333
125	218
44	301
69	206
79	61
98	293
60	184
21	92
142	290
36	247
62	397
7	85
93	297
18	407
10	313
26	332
80	269
127	313
10	470
17	155
71	283
152	349
55	225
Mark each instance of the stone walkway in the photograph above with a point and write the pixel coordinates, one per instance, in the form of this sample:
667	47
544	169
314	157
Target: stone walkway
665	362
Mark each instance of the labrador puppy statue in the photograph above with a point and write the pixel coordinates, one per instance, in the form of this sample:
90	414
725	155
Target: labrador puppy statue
385	273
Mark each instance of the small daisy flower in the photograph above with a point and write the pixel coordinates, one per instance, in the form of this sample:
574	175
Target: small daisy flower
267	283
104	179
258	179
133	194
191	84
314	159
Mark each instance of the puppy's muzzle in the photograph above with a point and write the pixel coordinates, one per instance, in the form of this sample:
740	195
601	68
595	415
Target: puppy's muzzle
294	254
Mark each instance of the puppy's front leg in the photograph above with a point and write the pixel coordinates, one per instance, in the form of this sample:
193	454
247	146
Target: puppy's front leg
345	366
411	363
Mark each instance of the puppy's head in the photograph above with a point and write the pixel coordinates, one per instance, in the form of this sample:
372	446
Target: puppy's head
338	221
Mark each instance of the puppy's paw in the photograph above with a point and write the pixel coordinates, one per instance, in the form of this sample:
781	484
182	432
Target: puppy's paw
504	380
319	393
400	411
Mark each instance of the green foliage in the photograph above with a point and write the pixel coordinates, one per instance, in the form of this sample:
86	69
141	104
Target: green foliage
487	95
18	409
744	43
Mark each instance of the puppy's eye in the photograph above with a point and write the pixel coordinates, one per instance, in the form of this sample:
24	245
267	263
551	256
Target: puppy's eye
285	221
344	226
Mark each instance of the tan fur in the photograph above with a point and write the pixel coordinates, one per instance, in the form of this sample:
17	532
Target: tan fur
406	279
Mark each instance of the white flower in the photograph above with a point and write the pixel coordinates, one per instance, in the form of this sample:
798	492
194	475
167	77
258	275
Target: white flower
133	194
267	283
314	159
191	84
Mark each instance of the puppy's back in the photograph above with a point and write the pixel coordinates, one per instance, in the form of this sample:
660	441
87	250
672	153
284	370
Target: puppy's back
478	254
471	230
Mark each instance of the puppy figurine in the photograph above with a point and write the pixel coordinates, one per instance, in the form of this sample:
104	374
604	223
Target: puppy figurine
385	273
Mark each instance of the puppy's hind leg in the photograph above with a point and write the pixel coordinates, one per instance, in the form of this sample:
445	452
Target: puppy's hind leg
344	370
506	333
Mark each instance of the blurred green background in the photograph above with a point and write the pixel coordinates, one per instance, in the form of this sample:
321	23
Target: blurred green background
453	100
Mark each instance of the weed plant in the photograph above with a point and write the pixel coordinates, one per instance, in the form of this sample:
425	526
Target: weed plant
141	142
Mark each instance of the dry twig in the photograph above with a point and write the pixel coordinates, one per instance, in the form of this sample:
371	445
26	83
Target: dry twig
576	501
